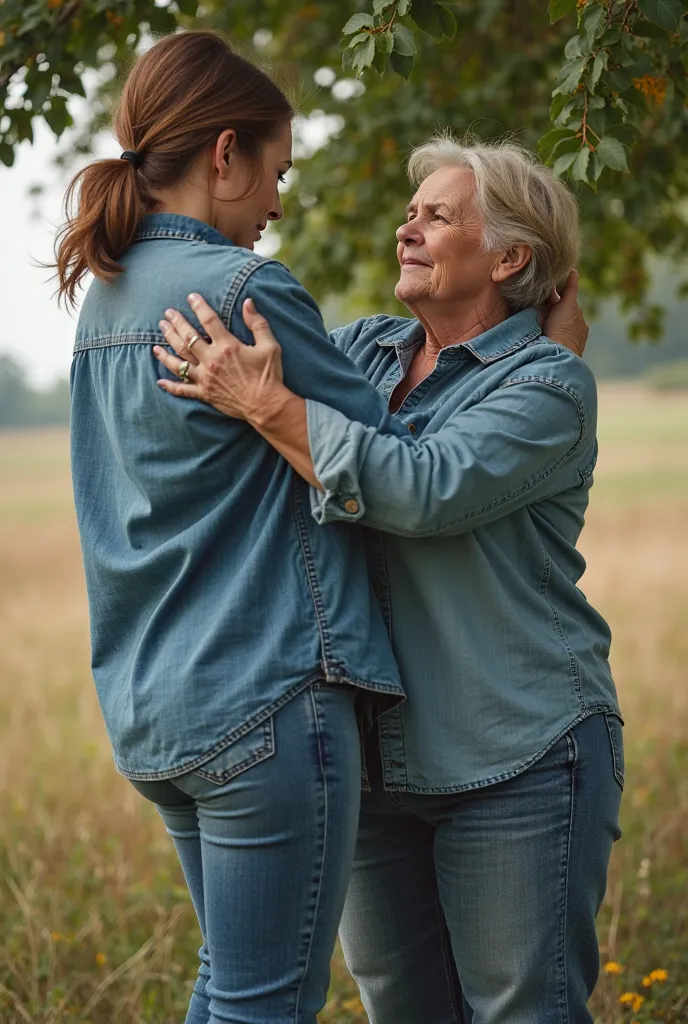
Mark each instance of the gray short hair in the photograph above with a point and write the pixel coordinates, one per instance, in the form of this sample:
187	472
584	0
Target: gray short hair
519	201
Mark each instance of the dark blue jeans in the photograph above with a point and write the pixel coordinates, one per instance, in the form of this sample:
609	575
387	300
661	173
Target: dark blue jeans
498	887
265	833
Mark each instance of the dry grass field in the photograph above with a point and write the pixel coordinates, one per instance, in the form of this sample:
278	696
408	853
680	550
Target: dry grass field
95	924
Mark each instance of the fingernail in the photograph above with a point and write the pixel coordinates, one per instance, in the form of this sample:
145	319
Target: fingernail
162	384
170	313
157	350
193	298
163	325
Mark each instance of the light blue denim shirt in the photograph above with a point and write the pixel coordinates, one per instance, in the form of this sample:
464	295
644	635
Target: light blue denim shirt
500	653
214	597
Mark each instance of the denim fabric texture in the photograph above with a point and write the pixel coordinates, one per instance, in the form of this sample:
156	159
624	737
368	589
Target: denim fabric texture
500	652
266	852
498	887
214	596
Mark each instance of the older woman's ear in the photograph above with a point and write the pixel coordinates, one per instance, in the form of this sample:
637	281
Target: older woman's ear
511	262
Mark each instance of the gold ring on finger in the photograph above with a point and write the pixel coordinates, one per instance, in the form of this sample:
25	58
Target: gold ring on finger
183	371
192	341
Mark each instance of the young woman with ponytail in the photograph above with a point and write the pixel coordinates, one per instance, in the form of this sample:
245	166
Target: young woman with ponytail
234	642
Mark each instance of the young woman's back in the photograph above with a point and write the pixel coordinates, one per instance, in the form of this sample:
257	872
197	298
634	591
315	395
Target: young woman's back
214	595
231	634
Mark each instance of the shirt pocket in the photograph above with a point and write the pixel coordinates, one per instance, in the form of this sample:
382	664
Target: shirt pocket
255	746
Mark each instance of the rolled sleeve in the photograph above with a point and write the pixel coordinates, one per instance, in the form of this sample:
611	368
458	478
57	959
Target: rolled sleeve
527	440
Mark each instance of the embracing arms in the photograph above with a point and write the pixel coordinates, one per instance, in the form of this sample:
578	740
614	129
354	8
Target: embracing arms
510	449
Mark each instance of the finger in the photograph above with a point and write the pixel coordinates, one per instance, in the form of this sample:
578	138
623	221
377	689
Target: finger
174	337
570	289
257	324
211	322
181	390
172	363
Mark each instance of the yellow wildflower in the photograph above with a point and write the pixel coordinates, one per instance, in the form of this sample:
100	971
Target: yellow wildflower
654	89
612	967
647	981
659	974
101	959
632	999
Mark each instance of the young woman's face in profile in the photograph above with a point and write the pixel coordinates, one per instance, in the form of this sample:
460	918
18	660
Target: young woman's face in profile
244	220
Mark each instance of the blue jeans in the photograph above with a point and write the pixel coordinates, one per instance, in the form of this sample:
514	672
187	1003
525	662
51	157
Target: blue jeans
265	833
498	887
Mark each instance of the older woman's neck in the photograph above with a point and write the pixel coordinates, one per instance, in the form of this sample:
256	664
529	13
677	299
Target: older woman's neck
455	323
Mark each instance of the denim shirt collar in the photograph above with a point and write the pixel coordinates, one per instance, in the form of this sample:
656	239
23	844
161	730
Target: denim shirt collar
507	337
176	225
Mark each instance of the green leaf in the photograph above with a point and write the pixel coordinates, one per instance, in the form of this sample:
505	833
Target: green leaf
612	154
564	162
598	66
402	7
579	168
624	133
71	82
6	154
665	13
404	43
593	22
558	8
573	48
569	77
385	42
360	37
596	167
39	92
58	117
363	54
618	80
549	142
433	18
188	7
379	5
402	63
161	20
649	30
570	145
357	22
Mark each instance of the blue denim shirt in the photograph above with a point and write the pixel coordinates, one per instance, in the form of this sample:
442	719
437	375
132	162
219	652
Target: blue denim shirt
214	596
500	653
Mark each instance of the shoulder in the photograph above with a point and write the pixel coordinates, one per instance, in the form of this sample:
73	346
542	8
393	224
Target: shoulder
372	330
545	362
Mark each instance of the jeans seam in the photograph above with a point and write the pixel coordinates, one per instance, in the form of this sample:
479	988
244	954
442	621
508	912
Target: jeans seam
573	760
323	848
447	958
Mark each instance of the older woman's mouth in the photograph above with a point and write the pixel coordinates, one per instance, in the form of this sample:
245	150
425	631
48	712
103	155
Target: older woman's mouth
414	263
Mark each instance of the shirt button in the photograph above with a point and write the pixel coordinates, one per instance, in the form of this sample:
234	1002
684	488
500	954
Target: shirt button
412	427
351	506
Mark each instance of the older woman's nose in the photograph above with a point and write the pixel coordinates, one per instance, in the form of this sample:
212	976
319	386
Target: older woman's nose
409	233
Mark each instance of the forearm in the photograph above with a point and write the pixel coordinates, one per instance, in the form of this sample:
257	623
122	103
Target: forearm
282	421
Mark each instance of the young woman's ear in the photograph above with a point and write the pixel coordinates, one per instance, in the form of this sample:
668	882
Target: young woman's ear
223	151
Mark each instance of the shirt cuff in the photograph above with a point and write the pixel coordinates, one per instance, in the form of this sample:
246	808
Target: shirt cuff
335	444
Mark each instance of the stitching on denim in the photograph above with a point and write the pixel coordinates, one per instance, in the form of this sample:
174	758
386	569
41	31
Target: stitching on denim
493	357
619	774
238	282
262	754
323	849
573	760
448	960
590	709
226	741
302	530
557	623
111	340
513	494
558	385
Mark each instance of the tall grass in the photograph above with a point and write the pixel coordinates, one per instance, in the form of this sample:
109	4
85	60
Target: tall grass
95	922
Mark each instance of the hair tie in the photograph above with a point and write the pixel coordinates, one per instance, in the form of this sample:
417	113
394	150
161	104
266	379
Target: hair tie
134	158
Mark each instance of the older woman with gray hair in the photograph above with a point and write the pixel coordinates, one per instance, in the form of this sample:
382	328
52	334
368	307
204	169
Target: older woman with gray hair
491	796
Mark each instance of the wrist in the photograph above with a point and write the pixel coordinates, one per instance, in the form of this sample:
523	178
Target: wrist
273	408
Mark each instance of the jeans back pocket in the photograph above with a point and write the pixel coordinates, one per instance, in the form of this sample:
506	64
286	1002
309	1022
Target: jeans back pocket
249	749
615	727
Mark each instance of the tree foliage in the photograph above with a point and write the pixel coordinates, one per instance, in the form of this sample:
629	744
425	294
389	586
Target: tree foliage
600	85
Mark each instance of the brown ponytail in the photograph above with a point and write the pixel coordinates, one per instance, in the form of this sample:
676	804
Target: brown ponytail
179	96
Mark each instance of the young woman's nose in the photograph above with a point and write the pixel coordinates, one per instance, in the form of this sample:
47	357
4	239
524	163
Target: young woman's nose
277	212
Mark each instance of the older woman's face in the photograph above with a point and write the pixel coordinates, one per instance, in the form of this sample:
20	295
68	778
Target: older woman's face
440	245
